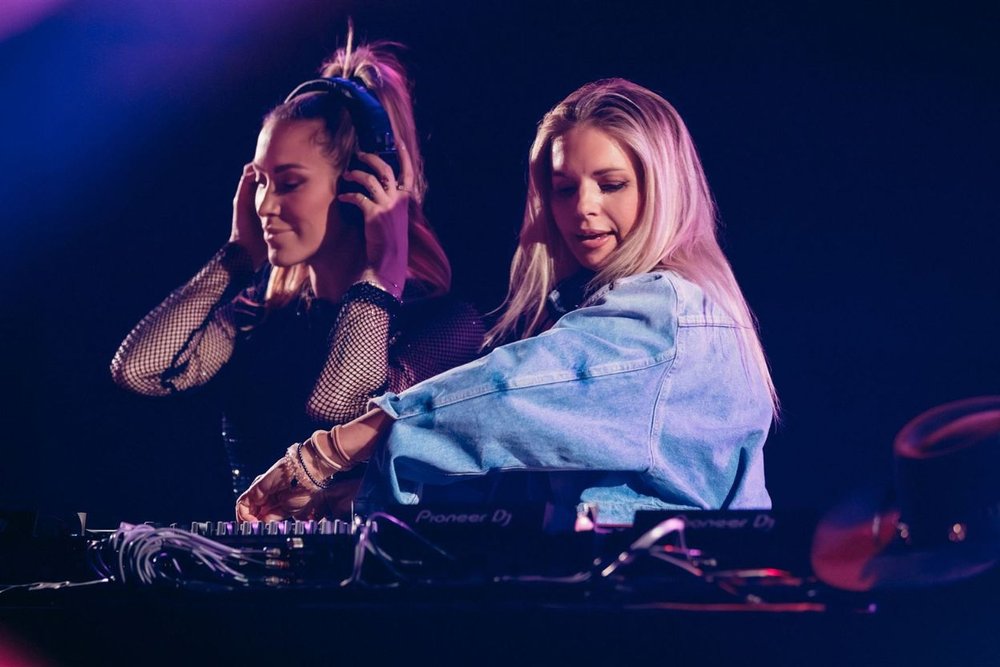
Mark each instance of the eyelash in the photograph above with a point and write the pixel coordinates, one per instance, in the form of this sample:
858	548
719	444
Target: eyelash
606	188
281	188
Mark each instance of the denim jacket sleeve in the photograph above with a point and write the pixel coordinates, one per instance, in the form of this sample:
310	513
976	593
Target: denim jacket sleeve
628	387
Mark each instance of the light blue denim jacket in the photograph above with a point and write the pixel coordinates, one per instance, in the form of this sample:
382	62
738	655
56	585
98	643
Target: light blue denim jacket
643	389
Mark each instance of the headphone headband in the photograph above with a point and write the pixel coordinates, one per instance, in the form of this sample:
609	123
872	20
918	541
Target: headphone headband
371	122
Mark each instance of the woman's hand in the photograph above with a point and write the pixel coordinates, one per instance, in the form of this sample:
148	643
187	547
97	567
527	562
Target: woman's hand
282	492
295	486
386	214
246	230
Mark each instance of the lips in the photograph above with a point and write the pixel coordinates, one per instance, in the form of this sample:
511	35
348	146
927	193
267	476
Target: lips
271	233
594	239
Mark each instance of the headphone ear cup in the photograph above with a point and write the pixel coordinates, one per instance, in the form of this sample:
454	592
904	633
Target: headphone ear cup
350	213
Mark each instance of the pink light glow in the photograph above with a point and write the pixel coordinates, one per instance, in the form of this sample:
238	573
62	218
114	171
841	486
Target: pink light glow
14	654
16	16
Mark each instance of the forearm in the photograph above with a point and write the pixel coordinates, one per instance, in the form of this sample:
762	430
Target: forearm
186	339
346	445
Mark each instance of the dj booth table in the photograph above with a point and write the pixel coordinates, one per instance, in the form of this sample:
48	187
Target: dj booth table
153	627
641	612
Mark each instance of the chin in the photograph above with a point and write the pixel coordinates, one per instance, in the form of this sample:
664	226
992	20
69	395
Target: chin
592	264
282	259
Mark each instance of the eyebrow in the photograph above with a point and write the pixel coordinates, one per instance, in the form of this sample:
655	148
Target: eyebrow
282	167
599	172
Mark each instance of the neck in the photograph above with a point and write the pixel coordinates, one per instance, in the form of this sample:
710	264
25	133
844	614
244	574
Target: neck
332	271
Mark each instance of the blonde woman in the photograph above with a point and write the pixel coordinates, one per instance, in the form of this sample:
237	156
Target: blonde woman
627	372
332	288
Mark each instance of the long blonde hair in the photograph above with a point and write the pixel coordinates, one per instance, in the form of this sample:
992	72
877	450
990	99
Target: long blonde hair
675	230
377	67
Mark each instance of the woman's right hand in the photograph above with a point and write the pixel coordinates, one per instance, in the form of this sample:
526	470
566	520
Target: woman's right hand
386	214
246	230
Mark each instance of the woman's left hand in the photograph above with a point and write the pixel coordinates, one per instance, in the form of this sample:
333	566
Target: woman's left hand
277	495
386	213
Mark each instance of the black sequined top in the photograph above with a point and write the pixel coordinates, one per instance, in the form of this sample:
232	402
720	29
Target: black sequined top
284	372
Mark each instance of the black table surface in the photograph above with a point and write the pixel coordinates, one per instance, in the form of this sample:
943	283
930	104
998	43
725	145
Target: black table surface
113	624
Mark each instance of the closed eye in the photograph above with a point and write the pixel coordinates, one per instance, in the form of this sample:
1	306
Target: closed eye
284	187
563	191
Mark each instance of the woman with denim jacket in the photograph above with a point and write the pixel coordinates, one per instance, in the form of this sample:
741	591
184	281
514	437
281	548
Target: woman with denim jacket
634	379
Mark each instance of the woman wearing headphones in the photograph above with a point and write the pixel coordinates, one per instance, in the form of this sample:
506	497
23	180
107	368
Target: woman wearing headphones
332	288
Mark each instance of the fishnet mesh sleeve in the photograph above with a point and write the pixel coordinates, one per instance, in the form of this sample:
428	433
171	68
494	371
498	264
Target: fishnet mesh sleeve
185	340
366	360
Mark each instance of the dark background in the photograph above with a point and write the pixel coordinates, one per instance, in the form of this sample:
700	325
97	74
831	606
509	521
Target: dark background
852	148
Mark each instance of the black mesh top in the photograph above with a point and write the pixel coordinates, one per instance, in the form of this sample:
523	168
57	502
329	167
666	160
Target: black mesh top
284	372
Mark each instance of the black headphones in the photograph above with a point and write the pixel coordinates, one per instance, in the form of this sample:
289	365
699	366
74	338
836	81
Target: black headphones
371	124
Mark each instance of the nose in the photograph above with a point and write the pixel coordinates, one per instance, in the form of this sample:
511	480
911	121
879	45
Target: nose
587	200
266	201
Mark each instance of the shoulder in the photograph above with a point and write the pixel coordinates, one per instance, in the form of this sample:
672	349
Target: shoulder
445	310
659	291
444	330
444	303
666	283
643	295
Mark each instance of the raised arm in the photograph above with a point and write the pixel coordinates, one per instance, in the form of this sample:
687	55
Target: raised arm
378	344
185	340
